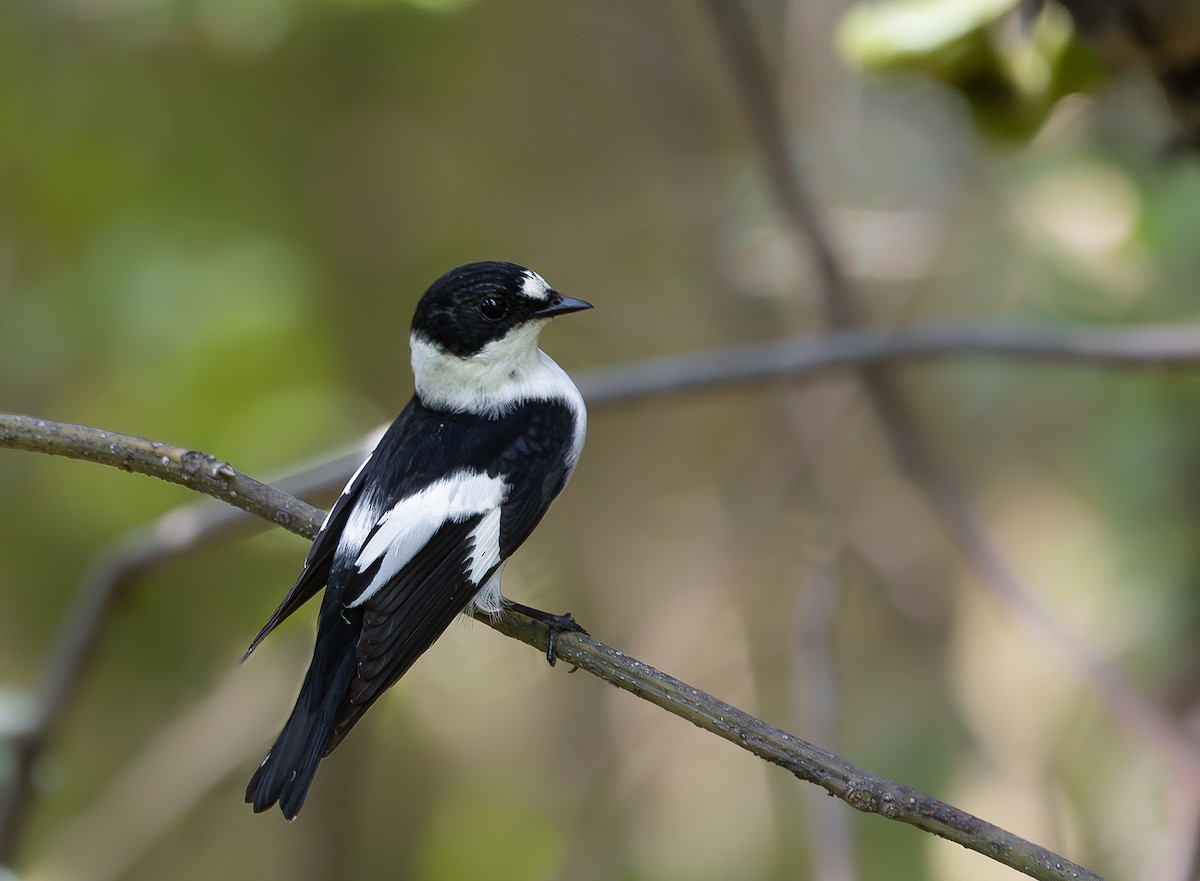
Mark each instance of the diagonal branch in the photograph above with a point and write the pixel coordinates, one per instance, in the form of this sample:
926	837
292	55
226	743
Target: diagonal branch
184	529
188	468
860	789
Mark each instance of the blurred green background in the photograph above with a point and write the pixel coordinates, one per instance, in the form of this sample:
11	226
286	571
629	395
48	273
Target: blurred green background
216	217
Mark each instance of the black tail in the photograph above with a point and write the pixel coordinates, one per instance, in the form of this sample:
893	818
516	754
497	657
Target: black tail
286	773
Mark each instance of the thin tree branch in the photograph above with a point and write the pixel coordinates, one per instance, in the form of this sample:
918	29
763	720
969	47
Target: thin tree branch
813	682
185	528
903	432
174	464
182	530
860	789
1151	346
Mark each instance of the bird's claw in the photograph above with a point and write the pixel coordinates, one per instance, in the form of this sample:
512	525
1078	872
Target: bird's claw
556	624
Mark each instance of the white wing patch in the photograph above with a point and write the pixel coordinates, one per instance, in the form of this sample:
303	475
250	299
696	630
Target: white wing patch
485	548
411	523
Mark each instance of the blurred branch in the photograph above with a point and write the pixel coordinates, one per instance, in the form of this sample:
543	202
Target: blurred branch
813	683
76	640
1152	346
860	789
147	547
191	526
904	434
155	790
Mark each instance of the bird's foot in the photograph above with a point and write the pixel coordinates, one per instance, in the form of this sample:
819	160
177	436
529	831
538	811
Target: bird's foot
555	624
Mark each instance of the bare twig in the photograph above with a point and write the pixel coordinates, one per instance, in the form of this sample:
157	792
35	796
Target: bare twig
174	464
1154	346
902	430
858	788
185	528
813	676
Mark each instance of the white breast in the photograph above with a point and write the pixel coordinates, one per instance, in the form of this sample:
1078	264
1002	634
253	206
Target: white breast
502	374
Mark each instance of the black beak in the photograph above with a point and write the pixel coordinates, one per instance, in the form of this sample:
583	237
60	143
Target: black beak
557	304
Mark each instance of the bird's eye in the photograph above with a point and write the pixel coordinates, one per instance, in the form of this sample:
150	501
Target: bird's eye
493	308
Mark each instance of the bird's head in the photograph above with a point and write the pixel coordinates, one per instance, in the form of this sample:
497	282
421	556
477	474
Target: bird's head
475	334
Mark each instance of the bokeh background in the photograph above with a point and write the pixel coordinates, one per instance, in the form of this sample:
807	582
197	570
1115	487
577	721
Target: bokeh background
216	217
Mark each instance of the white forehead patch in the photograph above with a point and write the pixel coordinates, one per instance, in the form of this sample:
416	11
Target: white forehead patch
534	286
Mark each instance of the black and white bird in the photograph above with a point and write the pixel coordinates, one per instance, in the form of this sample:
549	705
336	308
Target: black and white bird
425	527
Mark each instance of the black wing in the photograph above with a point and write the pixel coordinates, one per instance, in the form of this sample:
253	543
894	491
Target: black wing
363	649
406	616
532	449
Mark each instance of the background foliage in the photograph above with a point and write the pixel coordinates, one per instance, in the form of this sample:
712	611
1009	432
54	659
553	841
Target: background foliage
215	219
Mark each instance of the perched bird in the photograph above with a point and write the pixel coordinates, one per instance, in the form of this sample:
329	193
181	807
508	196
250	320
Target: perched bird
424	528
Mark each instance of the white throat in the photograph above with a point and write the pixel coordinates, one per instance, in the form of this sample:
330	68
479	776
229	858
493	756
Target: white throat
502	374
